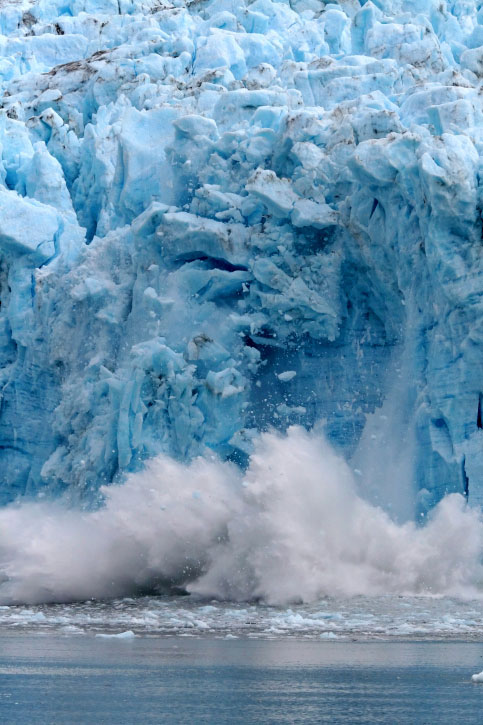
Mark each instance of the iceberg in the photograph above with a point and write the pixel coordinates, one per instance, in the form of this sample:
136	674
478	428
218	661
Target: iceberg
219	217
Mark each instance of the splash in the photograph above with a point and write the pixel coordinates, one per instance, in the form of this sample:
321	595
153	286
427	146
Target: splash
293	528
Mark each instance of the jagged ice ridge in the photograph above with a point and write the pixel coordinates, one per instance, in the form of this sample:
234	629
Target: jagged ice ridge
217	217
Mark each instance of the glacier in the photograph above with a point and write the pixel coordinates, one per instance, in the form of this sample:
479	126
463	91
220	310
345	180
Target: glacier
219	218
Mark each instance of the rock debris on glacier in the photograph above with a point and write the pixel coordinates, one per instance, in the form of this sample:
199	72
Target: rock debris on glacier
221	216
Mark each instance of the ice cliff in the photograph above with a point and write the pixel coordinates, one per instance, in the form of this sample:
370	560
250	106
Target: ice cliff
217	217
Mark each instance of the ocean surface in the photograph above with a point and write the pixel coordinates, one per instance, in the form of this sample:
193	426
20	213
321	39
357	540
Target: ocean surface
345	619
388	660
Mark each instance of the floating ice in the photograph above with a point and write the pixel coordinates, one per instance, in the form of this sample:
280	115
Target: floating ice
129	634
387	617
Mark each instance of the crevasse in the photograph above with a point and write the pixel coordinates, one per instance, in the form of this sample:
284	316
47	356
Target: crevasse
219	217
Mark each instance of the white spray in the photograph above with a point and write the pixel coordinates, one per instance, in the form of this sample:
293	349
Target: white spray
293	528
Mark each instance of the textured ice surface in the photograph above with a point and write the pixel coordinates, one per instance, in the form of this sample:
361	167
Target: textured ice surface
221	216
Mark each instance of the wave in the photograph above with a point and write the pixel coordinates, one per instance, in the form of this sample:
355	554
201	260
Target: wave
292	528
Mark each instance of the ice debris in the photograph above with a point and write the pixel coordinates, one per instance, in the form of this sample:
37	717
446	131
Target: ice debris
197	198
128	634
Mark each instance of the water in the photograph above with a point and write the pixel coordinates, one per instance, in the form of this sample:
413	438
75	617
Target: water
388	659
62	680
362	618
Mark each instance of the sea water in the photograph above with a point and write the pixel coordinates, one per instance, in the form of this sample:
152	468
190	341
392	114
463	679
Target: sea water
330	619
181	659
61	680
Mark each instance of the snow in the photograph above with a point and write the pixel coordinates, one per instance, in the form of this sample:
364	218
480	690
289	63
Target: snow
197	197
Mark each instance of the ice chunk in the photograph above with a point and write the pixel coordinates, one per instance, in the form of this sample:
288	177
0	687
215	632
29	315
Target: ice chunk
276	193
308	213
287	375
27	227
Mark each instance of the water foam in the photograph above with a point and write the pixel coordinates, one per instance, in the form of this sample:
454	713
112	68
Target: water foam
292	528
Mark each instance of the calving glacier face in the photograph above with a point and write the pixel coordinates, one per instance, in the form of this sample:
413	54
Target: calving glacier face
217	217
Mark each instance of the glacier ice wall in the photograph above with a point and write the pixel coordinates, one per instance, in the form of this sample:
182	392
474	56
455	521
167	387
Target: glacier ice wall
219	217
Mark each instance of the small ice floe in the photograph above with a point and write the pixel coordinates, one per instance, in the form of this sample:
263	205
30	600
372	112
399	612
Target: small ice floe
119	635
478	677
